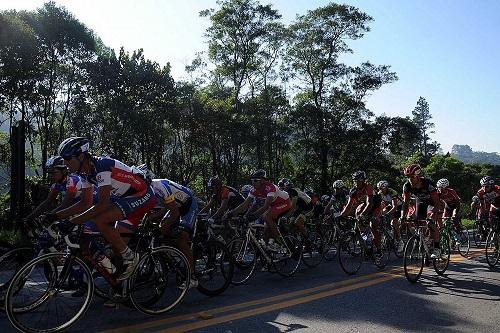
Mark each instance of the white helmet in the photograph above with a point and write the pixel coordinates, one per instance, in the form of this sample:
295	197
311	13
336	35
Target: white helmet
245	189
382	183
338	184
143	168
443	183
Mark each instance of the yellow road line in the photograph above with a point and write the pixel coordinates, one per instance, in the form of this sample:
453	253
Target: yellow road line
340	287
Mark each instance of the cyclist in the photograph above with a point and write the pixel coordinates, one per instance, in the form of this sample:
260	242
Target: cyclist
364	202
276	204
121	195
302	206
223	198
451	200
178	208
426	197
338	199
489	194
392	209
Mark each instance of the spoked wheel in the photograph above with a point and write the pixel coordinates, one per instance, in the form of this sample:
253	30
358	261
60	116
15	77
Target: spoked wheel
312	254
10	262
214	267
42	296
351	252
492	248
463	242
478	233
387	243
330	244
245	259
413	261
287	261
160	280
441	264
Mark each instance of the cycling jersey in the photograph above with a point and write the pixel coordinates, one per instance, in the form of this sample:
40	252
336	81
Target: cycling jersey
71	184
450	198
360	195
129	191
168	191
425	196
280	203
389	196
492	198
233	197
304	202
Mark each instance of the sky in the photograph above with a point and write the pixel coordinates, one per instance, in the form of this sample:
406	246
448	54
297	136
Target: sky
446	51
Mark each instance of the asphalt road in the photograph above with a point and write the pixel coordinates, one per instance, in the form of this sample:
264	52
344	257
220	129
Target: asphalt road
325	299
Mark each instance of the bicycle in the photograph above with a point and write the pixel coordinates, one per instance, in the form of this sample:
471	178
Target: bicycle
355	246
418	248
38	286
459	237
492	249
480	231
387	230
248	249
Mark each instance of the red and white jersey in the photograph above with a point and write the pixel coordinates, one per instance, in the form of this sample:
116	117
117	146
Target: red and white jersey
71	184
268	189
108	171
492	198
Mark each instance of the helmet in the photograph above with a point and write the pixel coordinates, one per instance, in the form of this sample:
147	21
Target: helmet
214	181
382	183
73	146
487	180
285	182
245	189
443	183
412	169
325	198
55	162
338	184
143	168
359	175
259	174
476	199
309	191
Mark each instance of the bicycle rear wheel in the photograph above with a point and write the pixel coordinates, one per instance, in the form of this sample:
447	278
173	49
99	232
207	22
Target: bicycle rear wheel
330	244
351	252
463	242
413	261
287	261
312	254
160	280
477	233
492	248
245	259
441	264
41	296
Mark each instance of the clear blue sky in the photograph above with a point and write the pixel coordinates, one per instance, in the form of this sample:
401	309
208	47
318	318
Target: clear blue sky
446	51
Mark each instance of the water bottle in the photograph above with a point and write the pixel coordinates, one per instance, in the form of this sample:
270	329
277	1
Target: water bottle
104	262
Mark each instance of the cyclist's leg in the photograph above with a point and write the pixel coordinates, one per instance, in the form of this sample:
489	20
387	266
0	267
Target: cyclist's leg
374	219
186	225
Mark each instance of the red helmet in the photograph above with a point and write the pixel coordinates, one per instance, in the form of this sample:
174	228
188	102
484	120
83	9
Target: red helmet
412	169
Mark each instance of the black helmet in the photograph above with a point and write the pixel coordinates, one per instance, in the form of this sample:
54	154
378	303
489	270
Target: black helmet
285	182
55	162
487	180
73	147
214	181
259	174
359	175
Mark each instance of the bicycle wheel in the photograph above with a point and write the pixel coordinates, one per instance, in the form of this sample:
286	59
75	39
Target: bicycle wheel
441	264
287	262
160	280
386	242
413	261
477	233
10	262
42	299
492	248
351	252
245	259
463	242
312	254
214	267
330	244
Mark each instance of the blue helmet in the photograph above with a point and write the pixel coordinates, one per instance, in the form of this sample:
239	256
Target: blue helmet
73	147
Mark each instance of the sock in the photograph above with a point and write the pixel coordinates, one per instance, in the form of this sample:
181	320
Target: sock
127	253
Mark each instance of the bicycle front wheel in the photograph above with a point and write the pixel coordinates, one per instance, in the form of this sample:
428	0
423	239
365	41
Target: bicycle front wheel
44	297
463	242
492	248
10	262
245	259
312	255
351	252
413	261
441	264
214	267
330	244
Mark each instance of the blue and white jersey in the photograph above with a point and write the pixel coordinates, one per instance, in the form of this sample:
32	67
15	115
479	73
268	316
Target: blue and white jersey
108	171
71	184
168	191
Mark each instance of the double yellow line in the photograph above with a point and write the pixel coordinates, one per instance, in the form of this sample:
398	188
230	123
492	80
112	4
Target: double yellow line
273	303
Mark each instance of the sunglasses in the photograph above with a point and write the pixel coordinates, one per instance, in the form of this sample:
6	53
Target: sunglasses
254	180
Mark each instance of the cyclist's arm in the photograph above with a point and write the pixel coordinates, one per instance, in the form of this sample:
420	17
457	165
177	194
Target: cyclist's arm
267	204
103	204
208	206
394	206
369	204
42	207
328	207
222	209
406	203
294	207
79	207
68	199
242	207
172	216
347	208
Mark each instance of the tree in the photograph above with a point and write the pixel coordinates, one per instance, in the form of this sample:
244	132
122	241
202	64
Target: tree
422	118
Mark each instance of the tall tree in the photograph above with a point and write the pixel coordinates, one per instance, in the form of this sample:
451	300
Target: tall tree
422	118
